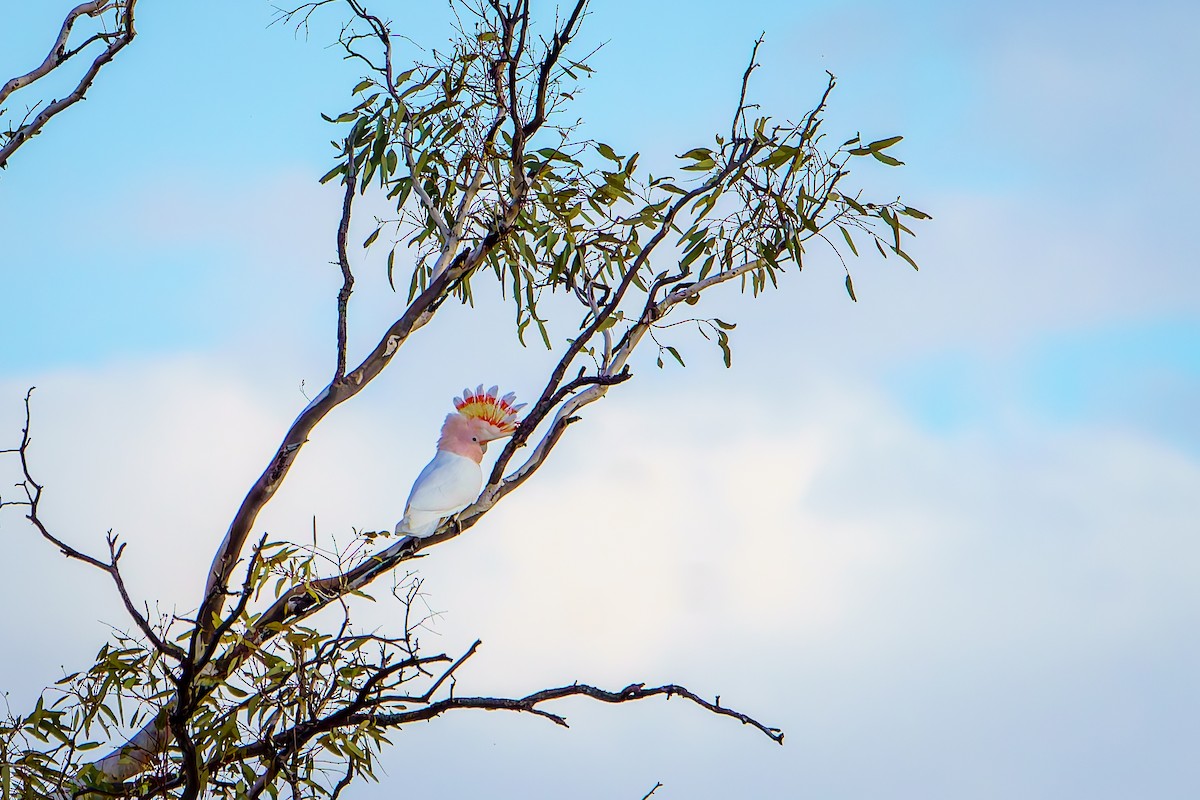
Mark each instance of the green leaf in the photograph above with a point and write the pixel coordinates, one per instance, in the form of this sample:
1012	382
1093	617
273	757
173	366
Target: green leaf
894	223
781	155
723	343
857	206
693	253
606	324
702	166
367	84
906	257
607	152
697	154
849	241
420	165
675	353
886	159
725	326
883	144
333	173
850	288
550	154
909	211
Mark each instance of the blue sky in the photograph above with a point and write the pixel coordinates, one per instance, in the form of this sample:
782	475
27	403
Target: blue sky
963	564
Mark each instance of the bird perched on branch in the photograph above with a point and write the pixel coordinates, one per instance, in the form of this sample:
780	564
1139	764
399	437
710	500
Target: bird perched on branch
452	480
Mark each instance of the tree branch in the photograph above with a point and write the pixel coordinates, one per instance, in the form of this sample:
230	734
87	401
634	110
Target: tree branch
343	231
529	704
57	56
416	315
650	793
561	38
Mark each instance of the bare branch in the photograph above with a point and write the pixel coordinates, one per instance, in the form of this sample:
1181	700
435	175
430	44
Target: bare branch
58	55
740	114
560	41
32	503
529	704
164	647
343	231
33	496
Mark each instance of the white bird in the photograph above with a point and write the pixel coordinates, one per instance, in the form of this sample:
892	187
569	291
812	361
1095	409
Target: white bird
452	480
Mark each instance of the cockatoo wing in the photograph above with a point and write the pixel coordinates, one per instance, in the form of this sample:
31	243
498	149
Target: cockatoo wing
448	484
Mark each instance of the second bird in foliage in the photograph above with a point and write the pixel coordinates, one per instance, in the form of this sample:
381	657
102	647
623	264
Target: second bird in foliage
452	480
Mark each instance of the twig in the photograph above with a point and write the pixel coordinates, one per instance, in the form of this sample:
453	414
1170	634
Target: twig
650	793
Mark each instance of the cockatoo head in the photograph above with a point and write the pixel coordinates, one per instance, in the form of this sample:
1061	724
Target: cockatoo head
481	417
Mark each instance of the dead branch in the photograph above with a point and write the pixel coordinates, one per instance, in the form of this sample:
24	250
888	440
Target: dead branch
529	704
34	492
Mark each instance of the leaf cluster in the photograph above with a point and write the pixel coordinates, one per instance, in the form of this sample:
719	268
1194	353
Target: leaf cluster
452	144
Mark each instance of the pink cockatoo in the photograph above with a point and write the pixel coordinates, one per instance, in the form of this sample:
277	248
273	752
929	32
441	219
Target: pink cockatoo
452	481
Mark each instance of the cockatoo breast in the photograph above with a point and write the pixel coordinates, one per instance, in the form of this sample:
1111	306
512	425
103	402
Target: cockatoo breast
448	484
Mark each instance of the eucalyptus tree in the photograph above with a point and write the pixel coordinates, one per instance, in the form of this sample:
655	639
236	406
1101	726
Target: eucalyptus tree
491	183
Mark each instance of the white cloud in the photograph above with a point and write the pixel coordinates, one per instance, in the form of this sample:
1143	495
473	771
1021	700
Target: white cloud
832	569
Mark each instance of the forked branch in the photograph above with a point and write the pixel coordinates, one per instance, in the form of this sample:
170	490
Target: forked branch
374	710
60	53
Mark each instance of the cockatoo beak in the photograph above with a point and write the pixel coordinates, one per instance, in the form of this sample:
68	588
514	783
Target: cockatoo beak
483	446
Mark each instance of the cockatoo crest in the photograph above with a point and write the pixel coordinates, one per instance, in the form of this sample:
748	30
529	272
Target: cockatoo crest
494	416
